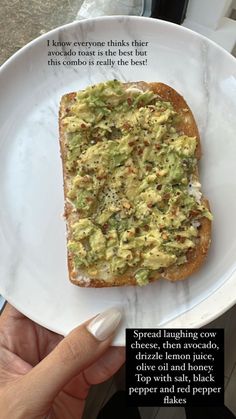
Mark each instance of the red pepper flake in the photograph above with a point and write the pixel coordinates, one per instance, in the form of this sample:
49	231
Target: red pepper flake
86	178
140	151
166	196
82	126
180	239
129	101
126	126
150	205
88	199
194	213
130	169
72	96
158	187
146	143
146	227
174	211
67	110
131	143
158	146
105	227
137	230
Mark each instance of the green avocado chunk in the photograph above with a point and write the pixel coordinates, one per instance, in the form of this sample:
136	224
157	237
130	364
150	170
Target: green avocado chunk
141	277
133	182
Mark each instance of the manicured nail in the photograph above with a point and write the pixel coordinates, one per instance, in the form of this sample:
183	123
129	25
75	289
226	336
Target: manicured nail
103	325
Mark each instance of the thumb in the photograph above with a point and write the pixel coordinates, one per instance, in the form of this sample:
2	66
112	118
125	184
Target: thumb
82	347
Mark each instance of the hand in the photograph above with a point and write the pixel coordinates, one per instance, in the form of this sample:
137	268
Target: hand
43	376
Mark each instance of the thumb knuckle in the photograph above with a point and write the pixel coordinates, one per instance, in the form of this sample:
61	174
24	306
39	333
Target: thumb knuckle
70	351
78	347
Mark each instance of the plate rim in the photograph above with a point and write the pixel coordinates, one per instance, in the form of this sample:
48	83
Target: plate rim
228	283
110	18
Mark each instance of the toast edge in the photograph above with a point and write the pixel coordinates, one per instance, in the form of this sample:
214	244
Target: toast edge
196	257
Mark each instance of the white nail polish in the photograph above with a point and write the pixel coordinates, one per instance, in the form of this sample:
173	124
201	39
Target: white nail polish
103	325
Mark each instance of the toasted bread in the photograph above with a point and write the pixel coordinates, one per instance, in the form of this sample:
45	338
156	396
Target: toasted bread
195	256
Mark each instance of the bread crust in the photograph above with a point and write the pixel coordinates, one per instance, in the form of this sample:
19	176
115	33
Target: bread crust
196	256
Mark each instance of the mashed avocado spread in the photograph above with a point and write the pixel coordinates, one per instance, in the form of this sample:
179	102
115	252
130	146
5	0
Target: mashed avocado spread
132	183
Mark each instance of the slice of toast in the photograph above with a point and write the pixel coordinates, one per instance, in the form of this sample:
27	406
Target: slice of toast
76	123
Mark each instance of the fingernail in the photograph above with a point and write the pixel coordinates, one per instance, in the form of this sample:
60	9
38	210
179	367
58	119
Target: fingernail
105	324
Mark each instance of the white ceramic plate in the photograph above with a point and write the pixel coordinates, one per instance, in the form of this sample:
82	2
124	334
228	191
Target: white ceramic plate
33	270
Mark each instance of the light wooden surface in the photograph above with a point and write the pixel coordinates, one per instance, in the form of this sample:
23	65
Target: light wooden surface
100	394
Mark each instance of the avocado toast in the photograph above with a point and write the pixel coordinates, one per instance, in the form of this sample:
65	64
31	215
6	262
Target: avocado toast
133	206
